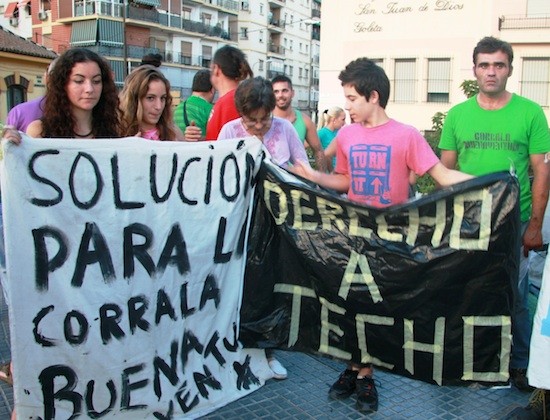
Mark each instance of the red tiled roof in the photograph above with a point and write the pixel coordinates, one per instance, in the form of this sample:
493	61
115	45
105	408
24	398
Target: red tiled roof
12	43
10	9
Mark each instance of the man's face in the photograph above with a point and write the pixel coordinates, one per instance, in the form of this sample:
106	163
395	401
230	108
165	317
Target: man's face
283	95
492	72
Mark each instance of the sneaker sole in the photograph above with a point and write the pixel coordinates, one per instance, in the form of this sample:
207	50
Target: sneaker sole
366	407
334	395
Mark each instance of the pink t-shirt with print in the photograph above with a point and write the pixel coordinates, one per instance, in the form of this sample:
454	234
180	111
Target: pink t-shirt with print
379	159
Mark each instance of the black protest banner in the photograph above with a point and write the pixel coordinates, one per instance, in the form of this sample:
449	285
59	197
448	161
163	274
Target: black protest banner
423	289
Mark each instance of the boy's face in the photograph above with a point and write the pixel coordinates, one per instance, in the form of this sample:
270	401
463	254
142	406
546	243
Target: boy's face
359	108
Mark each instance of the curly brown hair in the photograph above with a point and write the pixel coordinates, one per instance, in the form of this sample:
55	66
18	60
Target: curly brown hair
57	107
135	89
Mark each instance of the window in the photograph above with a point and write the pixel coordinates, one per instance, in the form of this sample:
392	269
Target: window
261	9
261	65
290	70
261	36
405	82
535	79
244	33
17	91
186	52
206	56
245	6
378	61
300	71
207	19
186	13
439	70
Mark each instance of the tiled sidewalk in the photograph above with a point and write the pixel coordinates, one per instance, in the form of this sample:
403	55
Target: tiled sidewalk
304	394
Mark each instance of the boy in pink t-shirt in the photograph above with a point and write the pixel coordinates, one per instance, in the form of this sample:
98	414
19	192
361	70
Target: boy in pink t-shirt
375	156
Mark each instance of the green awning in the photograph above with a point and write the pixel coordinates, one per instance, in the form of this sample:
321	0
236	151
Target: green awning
154	3
118	69
84	33
110	32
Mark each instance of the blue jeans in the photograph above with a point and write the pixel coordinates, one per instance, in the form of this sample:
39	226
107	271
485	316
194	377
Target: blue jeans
521	323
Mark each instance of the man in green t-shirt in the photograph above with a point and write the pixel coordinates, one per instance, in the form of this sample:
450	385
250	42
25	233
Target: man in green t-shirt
196	109
500	131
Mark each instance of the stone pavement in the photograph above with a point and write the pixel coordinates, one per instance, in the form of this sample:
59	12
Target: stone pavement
304	394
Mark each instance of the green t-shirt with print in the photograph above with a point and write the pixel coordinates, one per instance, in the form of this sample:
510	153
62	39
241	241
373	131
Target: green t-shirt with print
488	141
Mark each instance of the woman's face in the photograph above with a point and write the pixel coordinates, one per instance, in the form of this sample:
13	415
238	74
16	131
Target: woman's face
152	104
84	86
339	121
257	123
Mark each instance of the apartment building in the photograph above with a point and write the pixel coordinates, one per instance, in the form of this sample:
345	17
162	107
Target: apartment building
425	47
278	36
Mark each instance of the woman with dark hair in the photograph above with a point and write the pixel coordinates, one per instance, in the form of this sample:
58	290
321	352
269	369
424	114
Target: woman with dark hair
229	67
146	106
81	99
255	101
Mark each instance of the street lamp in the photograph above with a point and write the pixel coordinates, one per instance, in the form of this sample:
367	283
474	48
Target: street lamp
310	22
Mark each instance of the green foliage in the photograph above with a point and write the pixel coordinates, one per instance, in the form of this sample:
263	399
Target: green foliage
437	123
469	87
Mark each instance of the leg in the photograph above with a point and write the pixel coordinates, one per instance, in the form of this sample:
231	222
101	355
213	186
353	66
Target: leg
521	329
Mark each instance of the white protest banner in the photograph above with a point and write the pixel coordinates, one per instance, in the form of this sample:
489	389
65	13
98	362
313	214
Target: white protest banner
125	263
539	358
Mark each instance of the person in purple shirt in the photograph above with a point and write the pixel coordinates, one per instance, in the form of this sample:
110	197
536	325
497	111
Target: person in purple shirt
255	101
20	116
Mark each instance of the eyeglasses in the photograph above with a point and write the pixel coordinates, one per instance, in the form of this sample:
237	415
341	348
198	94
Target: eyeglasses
249	123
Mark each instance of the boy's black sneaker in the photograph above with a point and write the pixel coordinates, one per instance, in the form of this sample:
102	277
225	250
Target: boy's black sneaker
367	395
344	386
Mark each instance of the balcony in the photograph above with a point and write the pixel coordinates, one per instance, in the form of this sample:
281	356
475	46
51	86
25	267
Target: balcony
228	6
143	14
524	22
276	25
276	49
276	4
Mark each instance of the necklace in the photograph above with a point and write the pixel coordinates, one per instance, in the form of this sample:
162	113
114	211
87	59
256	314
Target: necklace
82	135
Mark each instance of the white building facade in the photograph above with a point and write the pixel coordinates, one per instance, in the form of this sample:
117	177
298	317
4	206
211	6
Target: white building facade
425	47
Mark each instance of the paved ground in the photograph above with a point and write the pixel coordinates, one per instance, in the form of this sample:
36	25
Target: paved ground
304	394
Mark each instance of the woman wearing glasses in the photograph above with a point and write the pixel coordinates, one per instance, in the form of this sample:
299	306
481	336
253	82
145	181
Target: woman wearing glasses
255	101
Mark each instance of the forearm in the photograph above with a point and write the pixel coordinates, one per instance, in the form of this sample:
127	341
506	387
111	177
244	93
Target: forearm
336	182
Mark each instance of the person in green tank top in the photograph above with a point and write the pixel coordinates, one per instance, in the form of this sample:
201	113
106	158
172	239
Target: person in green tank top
307	132
500	131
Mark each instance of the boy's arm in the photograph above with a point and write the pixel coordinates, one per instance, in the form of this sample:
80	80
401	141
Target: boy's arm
337	182
445	176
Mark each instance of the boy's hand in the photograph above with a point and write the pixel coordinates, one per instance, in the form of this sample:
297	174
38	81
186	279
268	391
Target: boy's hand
302	169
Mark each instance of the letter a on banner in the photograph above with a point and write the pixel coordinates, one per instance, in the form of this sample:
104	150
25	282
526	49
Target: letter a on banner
365	277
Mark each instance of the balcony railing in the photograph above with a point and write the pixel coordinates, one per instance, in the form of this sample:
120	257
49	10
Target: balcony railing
277	49
524	22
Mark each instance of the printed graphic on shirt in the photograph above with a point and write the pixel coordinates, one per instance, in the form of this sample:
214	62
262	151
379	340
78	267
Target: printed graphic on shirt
370	172
493	141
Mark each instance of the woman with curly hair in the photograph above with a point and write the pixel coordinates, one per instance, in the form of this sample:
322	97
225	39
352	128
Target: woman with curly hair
146	106
81	99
